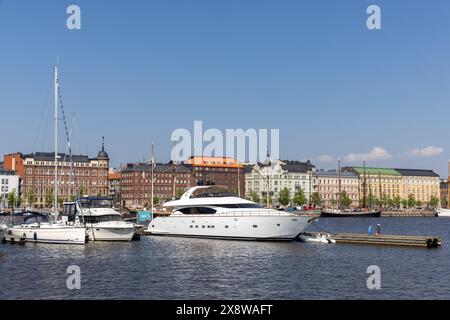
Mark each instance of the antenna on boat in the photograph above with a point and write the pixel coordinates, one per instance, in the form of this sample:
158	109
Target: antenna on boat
152	163
55	182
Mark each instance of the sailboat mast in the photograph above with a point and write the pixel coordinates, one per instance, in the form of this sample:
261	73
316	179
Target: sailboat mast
55	187
339	184
152	173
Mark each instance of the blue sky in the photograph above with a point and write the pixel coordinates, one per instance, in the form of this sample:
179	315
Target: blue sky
137	70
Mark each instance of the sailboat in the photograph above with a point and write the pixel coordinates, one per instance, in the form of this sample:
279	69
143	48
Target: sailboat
43	227
339	212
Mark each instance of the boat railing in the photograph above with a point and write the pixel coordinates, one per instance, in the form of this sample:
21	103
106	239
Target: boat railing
246	213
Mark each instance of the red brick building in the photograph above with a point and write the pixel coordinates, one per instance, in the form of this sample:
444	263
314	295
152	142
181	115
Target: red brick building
37	172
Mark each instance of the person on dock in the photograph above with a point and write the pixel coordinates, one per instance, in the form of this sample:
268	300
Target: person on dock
370	231
378	229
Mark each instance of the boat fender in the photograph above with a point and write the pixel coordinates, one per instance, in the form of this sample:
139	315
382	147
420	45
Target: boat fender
35	236
429	243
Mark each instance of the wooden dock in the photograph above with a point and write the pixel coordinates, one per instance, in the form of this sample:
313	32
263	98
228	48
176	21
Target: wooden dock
385	239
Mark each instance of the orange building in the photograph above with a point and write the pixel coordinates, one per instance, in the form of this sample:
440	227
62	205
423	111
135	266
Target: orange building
224	171
14	162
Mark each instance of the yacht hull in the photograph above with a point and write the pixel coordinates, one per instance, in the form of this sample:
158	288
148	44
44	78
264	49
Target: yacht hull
97	233
273	228
441	212
66	235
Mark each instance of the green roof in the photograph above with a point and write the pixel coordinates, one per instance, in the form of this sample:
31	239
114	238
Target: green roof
374	171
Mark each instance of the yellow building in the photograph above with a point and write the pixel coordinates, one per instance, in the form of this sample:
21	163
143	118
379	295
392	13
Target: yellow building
387	183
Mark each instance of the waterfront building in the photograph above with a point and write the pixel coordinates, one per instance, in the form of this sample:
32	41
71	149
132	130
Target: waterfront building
37	172
114	184
444	193
327	185
390	183
273	176
9	182
170	181
223	171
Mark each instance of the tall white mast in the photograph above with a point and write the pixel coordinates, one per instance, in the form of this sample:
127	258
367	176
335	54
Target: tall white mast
152	164
55	186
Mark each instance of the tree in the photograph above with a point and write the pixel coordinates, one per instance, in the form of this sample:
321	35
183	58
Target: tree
418	203
179	192
434	201
60	201
411	200
346	201
404	202
315	198
12	199
155	200
299	198
49	197
396	201
253	195
444	203
334	202
31	198
284	196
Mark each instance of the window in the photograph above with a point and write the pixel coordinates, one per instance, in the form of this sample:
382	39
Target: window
198	210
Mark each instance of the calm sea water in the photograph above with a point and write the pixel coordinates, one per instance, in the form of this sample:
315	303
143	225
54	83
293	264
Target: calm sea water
179	268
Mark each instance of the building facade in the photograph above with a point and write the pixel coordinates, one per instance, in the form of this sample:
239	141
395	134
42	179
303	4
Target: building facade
327	185
271	178
222	171
444	193
37	172
390	183
170	181
9	182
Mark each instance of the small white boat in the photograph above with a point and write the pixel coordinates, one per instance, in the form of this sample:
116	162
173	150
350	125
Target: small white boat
441	212
102	222
316	238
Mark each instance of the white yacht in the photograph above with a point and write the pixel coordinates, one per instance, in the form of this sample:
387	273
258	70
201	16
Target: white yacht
441	212
40	227
102	222
212	212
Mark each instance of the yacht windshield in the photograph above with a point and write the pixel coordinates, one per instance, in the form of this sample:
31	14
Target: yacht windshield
239	205
96	203
105	218
214	191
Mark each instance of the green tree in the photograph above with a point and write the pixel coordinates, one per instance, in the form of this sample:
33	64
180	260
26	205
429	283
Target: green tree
60	201
444	203
418	203
404	202
31	198
284	196
390	202
315	198
346	201
396	201
411	201
49	197
334	202
299	198
434	201
155	200
12	199
179	192
253	195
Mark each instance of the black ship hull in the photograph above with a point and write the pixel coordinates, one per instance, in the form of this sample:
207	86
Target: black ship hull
343	214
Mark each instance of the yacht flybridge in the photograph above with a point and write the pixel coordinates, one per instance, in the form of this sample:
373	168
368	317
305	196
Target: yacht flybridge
102	222
212	212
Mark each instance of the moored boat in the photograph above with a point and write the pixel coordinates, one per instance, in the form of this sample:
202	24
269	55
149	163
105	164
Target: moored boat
212	212
442	212
354	213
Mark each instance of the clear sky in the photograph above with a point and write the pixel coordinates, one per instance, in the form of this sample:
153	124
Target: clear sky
137	70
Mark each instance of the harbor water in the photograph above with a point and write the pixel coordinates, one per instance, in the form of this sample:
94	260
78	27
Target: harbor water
185	268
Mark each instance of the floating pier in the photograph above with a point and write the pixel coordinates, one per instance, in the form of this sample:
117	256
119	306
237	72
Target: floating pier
384	239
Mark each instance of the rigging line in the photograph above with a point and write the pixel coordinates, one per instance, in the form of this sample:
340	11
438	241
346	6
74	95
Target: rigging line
72	169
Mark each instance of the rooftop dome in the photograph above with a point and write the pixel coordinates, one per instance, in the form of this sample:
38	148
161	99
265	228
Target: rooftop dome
102	154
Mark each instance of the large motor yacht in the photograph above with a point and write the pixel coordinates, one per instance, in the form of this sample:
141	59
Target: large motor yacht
102	222
212	212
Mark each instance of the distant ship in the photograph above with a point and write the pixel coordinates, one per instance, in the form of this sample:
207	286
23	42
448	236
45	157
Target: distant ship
340	213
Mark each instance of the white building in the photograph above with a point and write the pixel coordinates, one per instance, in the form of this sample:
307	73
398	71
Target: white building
9	181
275	176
